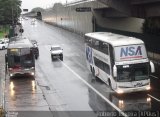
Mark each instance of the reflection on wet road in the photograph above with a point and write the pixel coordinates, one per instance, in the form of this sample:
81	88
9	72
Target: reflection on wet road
22	94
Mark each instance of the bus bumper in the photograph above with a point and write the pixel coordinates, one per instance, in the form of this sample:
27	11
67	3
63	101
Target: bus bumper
29	72
130	90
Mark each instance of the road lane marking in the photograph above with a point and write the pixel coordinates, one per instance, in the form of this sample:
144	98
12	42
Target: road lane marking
103	97
154	76
153	97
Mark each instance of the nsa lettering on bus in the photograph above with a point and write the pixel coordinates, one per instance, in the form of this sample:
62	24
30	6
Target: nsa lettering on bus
131	51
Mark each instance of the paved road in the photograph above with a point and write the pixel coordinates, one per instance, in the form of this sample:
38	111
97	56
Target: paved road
61	87
2	77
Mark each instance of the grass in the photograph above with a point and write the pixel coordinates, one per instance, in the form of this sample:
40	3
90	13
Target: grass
1	35
3	31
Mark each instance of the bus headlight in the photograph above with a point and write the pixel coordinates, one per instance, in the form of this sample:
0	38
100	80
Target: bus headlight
11	75
148	99
148	88
120	91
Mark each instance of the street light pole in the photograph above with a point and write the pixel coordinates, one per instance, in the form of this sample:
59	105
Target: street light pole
12	28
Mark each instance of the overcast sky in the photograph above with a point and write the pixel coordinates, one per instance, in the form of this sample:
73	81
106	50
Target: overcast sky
30	4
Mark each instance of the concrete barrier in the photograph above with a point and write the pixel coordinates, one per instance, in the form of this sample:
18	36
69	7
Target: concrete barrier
155	57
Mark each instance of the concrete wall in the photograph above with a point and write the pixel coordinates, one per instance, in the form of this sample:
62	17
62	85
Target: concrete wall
124	24
82	22
67	16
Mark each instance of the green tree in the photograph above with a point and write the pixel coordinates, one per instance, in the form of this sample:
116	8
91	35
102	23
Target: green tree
9	11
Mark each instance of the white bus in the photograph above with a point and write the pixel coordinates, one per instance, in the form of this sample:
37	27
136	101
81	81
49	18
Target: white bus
120	61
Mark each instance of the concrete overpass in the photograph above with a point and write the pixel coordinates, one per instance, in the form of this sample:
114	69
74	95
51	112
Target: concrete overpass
124	8
131	8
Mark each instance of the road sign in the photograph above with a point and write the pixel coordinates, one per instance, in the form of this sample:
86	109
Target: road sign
25	10
83	9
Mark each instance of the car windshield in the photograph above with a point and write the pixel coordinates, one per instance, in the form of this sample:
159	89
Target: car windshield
33	41
133	72
56	48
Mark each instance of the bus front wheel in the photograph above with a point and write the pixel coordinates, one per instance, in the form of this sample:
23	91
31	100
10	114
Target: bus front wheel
36	56
93	72
110	84
91	68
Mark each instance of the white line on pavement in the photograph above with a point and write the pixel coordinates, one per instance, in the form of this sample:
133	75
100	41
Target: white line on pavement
154	76
114	106
153	97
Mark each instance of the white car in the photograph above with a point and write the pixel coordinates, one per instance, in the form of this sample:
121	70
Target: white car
5	40
32	22
56	52
26	18
3	44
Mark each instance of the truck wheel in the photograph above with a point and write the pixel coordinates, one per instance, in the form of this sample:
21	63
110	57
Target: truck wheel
3	48
93	72
90	68
61	57
52	57
36	57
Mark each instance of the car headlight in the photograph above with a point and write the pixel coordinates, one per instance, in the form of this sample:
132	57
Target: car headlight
32	73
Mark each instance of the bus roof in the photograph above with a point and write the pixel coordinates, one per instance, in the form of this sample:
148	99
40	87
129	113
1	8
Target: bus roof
19	42
114	39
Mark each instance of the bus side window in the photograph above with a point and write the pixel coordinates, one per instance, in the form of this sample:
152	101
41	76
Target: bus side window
103	66
106	68
98	63
88	40
100	46
95	44
105	48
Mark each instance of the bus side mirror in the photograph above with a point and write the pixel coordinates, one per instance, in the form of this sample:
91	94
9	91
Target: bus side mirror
152	67
114	71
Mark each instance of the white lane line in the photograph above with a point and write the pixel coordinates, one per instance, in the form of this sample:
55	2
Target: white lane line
114	106
154	76
153	97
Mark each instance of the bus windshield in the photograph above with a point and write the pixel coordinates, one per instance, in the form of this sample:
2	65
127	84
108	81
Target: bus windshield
20	57
135	72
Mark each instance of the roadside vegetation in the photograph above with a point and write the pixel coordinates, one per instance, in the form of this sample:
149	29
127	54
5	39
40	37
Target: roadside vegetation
152	26
4	31
9	13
